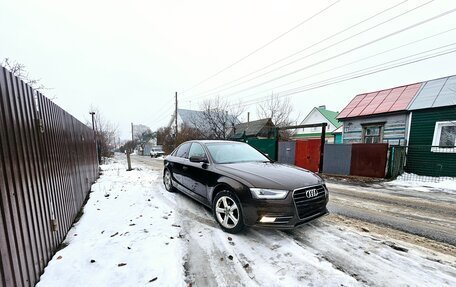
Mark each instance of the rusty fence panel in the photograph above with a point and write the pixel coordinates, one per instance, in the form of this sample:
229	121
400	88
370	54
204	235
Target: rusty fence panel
47	166
369	160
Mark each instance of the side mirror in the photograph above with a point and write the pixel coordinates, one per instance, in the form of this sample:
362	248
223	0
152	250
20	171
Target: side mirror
202	159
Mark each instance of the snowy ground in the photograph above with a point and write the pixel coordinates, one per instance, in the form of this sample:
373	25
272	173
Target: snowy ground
134	233
425	183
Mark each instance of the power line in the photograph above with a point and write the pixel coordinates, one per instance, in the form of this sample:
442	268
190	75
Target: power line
208	92
347	51
346	77
379	67
375	71
263	46
328	47
161	115
353	62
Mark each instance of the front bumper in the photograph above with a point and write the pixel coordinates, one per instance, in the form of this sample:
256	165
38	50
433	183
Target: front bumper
288	213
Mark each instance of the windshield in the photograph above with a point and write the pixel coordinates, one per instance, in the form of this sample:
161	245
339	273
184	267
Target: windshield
234	152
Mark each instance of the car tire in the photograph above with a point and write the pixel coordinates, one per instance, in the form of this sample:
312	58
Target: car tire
167	181
227	212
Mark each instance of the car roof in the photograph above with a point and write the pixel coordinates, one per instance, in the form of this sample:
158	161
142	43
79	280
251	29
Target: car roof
214	141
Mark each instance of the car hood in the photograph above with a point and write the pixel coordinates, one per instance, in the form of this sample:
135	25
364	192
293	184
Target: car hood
271	175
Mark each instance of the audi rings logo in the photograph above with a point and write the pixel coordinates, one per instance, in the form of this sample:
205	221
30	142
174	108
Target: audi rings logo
311	193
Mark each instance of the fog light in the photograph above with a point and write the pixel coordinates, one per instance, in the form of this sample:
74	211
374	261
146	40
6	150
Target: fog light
266	219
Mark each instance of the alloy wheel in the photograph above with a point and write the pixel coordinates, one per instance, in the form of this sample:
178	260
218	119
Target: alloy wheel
227	212
167	181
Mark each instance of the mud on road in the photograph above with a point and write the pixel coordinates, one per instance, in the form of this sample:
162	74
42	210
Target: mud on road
335	250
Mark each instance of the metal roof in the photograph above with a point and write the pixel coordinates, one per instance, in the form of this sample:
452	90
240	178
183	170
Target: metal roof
435	93
252	128
429	94
379	102
330	116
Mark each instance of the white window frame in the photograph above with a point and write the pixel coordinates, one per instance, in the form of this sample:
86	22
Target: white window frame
436	138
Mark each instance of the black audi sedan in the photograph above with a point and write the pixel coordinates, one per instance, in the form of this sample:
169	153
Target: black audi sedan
243	187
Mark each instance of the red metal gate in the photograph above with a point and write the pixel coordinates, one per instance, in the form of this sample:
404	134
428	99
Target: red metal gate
369	160
308	154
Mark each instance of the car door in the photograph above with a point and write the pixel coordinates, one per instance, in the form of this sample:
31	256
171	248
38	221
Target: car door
197	172
177	163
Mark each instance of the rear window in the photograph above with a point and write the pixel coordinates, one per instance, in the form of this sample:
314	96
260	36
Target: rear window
183	150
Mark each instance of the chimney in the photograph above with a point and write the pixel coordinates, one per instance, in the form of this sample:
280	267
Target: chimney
322	107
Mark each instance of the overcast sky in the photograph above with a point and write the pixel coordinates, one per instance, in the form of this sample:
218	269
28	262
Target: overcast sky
128	58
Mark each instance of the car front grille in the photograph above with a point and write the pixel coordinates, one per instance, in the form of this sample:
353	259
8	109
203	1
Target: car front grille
309	200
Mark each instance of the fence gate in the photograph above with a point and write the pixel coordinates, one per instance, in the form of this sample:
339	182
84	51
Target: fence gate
286	152
308	154
396	161
266	146
337	159
369	160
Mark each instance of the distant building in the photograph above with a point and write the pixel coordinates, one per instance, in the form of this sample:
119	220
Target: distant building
198	120
319	115
260	129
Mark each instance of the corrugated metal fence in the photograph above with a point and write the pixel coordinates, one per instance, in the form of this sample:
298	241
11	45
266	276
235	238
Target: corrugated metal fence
48	163
356	159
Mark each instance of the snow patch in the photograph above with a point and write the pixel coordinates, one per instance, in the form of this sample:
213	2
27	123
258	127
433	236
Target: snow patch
425	183
124	238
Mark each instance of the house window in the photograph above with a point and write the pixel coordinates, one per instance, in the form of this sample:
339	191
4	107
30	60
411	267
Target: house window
444	137
372	134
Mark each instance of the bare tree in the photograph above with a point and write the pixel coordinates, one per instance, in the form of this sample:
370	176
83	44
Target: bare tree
106	133
218	117
279	110
142	135
166	138
19	70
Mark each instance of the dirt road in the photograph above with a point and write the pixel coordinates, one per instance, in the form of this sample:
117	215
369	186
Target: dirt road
336	250
431	215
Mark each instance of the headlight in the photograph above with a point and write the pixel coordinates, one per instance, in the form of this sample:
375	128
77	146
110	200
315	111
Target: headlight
261	193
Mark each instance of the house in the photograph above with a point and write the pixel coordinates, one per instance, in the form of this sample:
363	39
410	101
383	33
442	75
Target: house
260	129
379	117
421	116
205	122
319	115
432	140
338	134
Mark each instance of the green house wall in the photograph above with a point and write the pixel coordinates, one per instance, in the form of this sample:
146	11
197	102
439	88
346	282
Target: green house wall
420	159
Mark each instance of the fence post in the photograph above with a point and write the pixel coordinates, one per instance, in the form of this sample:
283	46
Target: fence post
322	147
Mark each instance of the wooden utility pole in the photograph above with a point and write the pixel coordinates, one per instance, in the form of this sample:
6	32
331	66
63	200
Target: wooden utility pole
132	138
175	116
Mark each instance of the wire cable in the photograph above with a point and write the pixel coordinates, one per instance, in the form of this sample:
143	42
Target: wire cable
326	48
263	46
208	92
346	52
161	115
351	63
356	74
